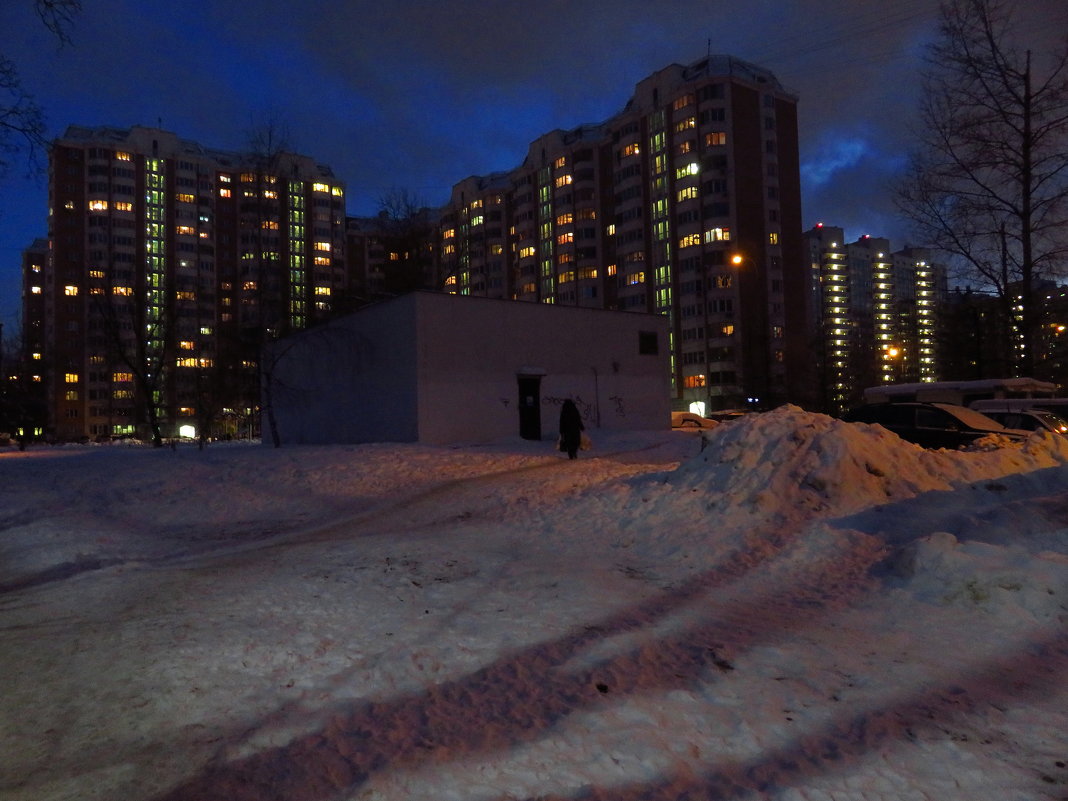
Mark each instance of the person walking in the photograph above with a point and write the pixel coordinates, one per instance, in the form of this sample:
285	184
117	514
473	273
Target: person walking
571	429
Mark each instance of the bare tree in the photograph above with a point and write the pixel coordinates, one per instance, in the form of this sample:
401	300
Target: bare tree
406	232
988	182
121	322
21	119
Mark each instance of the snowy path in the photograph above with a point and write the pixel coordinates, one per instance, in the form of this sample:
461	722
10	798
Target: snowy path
506	625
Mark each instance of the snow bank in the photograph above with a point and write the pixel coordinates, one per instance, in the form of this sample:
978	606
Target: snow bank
786	460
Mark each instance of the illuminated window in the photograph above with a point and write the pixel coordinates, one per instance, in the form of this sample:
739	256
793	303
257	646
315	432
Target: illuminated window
337	191
269	225
635	278
685	147
683	102
448	233
320	187
120	377
96	273
689	169
96	290
718	235
496	250
249	285
70	378
686	124
224	178
182	197
565	238
693	381
122	393
98	205
122	205
122	290
715	139
35	290
565	219
70	394
188	230
122	155
322	290
270	194
689	240
564	180
70	290
560	162
773	238
36	356
632	149
248	178
527	251
689	193
185	294
477	220
224	191
610	269
322	261
322	246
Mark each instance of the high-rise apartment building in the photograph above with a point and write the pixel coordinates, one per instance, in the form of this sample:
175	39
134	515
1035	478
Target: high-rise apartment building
686	203
873	312
169	265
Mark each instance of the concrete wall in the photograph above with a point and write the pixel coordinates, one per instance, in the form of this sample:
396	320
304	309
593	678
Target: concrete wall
440	368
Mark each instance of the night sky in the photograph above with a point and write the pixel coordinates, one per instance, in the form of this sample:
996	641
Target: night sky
418	95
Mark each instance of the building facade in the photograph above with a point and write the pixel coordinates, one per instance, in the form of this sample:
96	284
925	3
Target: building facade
169	265
874	315
686	204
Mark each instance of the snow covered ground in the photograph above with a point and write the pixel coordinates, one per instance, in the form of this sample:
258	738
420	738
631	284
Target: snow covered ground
804	609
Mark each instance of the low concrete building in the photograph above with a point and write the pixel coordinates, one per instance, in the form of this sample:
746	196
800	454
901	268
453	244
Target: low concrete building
440	368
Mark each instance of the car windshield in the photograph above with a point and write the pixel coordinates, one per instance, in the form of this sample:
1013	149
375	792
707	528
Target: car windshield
972	418
1054	421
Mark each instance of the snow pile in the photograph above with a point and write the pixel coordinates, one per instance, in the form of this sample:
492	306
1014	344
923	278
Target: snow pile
777	463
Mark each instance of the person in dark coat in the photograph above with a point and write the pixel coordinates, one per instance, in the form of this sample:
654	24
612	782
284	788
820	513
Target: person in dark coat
570	429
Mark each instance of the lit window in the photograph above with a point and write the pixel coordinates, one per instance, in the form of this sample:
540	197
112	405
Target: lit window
560	162
35	290
717	138
36	356
122	155
527	251
185	294
96	290
689	240
322	246
188	361
121	290
689	193
70	378
693	381
337	191
122	205
121	377
773	238
269	225
270	194
322	290
689	169
448	233
564	180
565	219
476	204
635	278
98	205
182	197
686	124
683	102
718	235
248	177
249	285
477	220
70	290
186	229
224	191
565	237
320	187
96	273
322	261
224	178
631	149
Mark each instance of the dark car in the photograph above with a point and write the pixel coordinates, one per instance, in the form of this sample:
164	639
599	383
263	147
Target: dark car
931	425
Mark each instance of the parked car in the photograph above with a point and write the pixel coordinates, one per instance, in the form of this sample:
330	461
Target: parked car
691	420
1030	420
931	425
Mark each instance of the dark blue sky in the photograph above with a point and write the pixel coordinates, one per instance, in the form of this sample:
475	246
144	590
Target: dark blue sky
418	95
